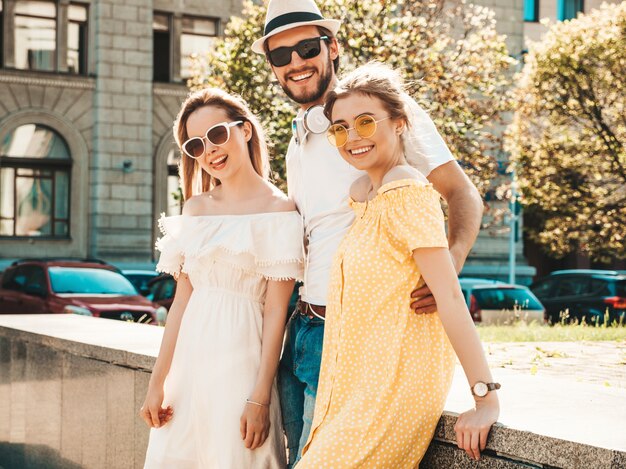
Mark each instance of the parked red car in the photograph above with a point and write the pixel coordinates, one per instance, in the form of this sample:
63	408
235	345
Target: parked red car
161	290
88	287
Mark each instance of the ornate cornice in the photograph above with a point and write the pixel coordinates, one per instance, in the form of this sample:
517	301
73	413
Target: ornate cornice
39	80
179	91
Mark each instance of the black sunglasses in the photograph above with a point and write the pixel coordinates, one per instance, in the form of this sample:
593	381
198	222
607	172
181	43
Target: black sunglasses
306	49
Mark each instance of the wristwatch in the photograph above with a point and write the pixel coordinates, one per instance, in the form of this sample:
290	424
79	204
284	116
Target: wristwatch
481	389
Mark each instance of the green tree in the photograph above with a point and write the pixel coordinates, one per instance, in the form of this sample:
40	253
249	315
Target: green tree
449	52
568	136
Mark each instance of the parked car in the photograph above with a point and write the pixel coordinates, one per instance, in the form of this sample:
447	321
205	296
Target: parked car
140	279
494	302
161	290
585	294
89	287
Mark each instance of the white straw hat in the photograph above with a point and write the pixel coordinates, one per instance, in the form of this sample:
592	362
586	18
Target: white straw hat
287	14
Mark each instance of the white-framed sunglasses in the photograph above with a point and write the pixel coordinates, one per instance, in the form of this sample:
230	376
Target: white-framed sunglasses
217	135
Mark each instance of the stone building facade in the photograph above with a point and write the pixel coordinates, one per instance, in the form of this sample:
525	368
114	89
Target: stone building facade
88	94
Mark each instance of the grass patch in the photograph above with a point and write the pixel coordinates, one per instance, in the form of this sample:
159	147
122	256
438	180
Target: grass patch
533	332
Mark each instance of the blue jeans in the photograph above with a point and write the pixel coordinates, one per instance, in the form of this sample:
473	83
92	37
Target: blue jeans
298	374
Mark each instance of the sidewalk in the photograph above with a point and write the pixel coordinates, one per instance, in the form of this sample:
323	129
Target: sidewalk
568	390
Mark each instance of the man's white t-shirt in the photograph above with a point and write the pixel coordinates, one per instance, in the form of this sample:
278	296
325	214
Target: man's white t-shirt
319	181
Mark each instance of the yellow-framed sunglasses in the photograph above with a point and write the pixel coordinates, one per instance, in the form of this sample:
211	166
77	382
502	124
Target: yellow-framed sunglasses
365	126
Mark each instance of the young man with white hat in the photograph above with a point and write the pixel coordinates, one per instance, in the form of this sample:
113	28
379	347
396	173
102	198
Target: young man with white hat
301	48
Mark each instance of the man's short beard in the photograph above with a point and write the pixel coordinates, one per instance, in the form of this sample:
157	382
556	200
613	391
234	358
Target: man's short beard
321	90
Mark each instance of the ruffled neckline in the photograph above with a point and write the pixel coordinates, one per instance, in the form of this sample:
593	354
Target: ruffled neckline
389	186
268	243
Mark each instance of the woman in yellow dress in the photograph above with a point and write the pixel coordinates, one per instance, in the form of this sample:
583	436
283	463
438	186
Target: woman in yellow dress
386	371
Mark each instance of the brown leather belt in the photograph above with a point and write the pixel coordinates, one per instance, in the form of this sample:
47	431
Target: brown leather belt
307	309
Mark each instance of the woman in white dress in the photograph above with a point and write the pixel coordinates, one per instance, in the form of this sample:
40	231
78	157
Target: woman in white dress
235	251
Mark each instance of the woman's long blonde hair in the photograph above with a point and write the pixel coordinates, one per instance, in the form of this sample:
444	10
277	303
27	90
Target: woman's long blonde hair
236	109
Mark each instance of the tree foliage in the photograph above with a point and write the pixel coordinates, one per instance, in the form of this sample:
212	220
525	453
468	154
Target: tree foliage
568	136
449	52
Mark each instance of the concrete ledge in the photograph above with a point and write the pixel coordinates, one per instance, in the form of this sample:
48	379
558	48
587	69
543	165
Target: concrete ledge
71	387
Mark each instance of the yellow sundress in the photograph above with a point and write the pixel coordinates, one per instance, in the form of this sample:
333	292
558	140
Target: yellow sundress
385	371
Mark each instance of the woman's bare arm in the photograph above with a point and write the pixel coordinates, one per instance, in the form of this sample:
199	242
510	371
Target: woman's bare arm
152	406
254	423
472	427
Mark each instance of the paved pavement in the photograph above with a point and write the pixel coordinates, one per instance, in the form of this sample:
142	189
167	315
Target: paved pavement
568	390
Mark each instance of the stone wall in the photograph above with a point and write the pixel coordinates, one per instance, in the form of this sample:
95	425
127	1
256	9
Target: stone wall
121	171
67	408
71	387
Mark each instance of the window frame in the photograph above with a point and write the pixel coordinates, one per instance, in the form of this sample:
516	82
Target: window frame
173	172
562	7
54	165
8	38
170	42
84	61
56	56
531	11
78	243
218	25
2	40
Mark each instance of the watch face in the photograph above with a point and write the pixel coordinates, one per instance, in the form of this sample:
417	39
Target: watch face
480	389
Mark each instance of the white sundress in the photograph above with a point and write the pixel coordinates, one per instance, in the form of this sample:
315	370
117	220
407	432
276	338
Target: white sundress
229	260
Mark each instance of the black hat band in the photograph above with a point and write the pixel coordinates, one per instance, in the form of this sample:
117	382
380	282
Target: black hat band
290	18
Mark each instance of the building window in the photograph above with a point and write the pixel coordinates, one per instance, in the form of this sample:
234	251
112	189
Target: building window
161	27
198	35
36	25
35	35
35	169
174	192
568	9
531	10
77	39
1	35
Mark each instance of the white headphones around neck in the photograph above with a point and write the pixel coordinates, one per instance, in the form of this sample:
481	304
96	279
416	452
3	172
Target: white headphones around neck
312	121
